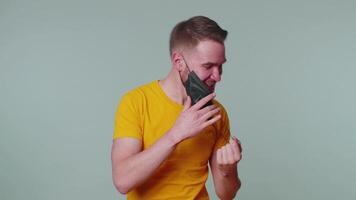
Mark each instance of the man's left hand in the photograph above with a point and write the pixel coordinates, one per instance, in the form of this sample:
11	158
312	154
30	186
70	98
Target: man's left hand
228	156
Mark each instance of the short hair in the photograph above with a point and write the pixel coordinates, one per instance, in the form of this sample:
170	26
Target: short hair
190	32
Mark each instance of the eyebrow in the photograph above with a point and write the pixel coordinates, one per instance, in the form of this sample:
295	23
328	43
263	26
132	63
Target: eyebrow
212	63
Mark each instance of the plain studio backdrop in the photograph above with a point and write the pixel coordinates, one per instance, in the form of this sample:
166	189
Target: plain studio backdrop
288	86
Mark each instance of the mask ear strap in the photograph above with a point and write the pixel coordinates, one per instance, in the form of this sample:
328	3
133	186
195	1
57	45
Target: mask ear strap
187	68
186	64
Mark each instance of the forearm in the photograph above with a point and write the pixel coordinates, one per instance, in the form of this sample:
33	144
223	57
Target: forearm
227	184
134	170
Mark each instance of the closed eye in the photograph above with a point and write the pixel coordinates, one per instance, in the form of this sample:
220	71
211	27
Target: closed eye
208	66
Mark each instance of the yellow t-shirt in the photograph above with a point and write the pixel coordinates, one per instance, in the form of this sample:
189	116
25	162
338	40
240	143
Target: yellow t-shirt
147	113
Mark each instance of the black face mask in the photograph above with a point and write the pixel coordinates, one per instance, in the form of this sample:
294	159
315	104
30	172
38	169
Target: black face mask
196	88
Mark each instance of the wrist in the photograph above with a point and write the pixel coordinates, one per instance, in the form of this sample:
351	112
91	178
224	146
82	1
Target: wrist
230	170
173	137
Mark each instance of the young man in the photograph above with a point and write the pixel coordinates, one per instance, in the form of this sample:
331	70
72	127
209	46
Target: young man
167	131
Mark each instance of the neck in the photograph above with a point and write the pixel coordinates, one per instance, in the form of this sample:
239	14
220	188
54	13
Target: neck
173	87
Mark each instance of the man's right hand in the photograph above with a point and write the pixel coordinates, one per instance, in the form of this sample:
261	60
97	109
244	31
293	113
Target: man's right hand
194	119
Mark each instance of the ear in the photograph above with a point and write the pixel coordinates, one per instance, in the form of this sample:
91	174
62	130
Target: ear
177	61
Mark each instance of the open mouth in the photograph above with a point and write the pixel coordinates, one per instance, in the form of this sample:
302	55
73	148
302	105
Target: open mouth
210	84
211	87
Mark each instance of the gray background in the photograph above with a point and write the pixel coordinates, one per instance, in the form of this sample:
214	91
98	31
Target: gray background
288	86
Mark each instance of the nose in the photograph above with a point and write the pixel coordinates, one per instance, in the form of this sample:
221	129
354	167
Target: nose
216	75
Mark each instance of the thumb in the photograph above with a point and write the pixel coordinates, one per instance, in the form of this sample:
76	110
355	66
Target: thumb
237	141
187	103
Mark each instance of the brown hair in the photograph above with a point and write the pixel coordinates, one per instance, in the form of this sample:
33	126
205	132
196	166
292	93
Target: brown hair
189	32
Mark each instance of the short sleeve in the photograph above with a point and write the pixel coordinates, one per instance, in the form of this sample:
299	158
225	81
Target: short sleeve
223	129
128	120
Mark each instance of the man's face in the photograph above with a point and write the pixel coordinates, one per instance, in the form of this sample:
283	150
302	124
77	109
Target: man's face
206	60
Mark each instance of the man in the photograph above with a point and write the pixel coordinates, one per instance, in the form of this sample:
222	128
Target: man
165	135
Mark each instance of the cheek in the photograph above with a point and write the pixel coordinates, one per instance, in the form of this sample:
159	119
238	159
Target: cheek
208	79
204	75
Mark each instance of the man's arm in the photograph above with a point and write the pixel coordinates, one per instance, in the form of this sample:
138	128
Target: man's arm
223	164
131	166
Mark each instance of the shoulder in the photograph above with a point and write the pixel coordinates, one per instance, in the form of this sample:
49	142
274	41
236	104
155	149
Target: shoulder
136	98
222	108
224	120
139	92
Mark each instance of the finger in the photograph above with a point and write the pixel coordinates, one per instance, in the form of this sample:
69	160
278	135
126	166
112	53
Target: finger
219	156
203	101
224	160
229	154
211	121
206	109
187	103
237	141
235	150
210	113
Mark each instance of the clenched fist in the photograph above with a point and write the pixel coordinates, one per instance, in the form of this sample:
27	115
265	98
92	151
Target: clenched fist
229	155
